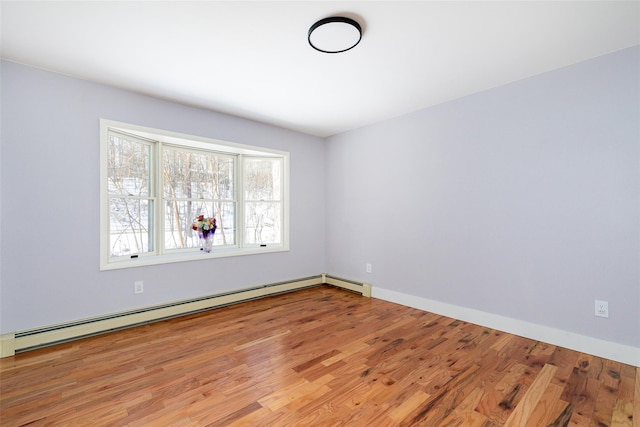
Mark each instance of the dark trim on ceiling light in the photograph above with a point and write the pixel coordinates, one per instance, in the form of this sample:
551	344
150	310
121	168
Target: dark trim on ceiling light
334	20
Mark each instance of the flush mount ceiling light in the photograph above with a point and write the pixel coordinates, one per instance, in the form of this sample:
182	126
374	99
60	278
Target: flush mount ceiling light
335	34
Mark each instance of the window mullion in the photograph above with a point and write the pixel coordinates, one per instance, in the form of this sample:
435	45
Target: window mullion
240	220
284	196
159	202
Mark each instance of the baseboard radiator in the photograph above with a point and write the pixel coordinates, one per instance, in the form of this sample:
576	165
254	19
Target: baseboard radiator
41	337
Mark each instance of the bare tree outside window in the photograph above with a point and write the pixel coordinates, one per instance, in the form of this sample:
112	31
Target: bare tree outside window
155	183
197	183
263	200
129	189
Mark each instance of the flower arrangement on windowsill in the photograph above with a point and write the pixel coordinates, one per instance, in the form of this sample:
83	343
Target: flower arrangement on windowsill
205	227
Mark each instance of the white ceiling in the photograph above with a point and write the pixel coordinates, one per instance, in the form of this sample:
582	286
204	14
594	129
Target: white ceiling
251	59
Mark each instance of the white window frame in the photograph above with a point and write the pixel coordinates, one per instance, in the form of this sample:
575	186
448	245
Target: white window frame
159	255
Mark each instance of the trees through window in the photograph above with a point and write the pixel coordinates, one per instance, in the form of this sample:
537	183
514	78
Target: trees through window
155	184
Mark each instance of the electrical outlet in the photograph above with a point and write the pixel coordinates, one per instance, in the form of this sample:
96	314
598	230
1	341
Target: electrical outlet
602	308
368	268
138	287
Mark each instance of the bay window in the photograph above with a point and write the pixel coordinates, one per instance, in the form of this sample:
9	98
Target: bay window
154	184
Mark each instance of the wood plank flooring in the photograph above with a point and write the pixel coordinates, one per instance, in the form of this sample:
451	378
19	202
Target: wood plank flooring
315	357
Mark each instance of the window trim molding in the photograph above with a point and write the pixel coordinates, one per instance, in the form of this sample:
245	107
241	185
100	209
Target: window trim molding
193	141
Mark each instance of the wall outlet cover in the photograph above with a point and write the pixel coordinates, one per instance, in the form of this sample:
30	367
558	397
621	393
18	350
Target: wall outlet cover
602	308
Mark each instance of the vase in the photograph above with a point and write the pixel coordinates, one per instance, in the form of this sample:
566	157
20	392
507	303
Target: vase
206	242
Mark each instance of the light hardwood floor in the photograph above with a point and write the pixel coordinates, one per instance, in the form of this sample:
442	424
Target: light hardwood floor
315	357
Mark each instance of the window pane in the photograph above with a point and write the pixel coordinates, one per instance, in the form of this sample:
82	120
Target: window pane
262	223
262	179
129	167
195	175
179	215
226	216
130	226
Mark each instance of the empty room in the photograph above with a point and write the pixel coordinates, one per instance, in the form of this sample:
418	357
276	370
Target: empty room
318	213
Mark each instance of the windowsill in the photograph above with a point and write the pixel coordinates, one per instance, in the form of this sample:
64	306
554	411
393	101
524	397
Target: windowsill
144	261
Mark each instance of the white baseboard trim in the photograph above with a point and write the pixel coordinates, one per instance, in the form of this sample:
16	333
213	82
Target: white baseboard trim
13	342
584	344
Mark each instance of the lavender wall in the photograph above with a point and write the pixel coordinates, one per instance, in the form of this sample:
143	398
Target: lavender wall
49	271
521	201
